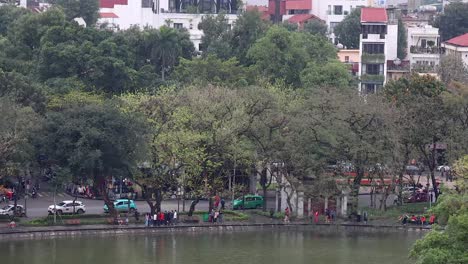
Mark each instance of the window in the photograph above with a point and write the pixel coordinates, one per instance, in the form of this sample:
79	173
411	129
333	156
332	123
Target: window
374	29
374	69
423	43
146	3
248	199
178	25
338	10
346	58
373	48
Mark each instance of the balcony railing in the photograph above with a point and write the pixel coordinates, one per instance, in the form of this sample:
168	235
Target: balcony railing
373	58
402	67
372	78
422	68
427	50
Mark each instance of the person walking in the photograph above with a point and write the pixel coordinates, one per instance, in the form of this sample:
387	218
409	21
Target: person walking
286	215
364	217
316	217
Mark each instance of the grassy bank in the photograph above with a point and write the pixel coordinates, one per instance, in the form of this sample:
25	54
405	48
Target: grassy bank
394	212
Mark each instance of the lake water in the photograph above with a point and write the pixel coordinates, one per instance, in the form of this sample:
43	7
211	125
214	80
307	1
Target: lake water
262	247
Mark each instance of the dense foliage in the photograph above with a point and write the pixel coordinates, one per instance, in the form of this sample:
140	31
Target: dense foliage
91	104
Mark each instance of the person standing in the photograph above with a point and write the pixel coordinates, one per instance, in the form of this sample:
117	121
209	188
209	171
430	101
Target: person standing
316	217
174	217
155	219
364	217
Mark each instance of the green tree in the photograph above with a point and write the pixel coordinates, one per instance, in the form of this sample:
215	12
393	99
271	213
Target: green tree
421	101
451	68
86	9
348	30
18	125
282	55
211	70
402	40
92	139
333	74
8	15
216	36
249	27
449	245
452	22
316	27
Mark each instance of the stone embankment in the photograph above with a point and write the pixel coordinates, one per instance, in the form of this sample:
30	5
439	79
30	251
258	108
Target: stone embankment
101	230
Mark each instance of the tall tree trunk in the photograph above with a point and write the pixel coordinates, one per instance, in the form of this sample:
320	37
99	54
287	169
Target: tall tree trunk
105	195
192	206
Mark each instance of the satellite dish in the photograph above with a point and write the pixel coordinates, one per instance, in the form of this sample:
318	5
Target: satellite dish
340	46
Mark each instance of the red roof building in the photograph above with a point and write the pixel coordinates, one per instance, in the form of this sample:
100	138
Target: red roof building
108	15
298	5
374	15
460	41
301	19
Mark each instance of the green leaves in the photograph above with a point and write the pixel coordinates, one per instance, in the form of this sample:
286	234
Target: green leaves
348	30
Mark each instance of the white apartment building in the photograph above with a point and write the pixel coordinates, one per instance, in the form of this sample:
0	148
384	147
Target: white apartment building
458	46
123	14
378	44
334	11
423	48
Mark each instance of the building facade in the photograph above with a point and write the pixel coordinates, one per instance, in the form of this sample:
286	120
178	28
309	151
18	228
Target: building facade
423	48
334	11
378	44
188	14
458	46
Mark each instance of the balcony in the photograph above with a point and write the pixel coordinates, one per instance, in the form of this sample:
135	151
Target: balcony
427	50
423	68
372	78
373	58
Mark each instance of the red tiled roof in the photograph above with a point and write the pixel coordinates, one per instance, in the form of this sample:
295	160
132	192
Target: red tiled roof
301	18
461	41
298	5
111	3
106	3
373	15
108	15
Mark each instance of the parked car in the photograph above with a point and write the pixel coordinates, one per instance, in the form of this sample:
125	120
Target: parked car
443	168
418	197
9	210
248	202
409	190
66	207
121	205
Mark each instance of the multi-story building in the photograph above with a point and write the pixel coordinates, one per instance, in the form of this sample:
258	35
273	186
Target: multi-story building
458	46
423	48
334	11
378	44
123	14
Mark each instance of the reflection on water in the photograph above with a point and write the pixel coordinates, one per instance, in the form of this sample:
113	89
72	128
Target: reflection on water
289	247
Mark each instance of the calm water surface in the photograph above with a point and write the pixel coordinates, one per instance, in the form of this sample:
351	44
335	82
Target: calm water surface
263	247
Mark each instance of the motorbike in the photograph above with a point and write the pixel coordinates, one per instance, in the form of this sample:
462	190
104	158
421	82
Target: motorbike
34	194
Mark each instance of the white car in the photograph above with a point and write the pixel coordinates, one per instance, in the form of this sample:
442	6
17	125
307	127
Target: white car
66	207
9	210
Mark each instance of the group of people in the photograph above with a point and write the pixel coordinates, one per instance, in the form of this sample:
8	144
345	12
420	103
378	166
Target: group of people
161	218
80	190
418	220
215	216
330	216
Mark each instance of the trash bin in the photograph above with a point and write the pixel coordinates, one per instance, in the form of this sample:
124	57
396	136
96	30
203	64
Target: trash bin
206	217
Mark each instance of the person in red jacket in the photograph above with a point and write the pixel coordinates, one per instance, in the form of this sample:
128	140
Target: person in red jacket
161	218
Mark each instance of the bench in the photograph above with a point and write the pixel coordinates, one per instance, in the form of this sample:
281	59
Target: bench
73	222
